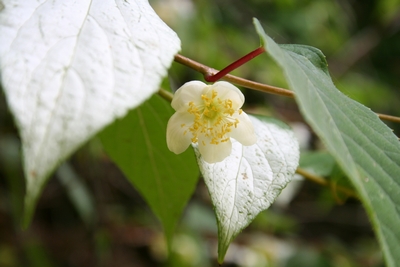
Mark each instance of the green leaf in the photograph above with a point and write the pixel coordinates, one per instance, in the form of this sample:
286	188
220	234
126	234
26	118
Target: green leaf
250	178
365	148
137	145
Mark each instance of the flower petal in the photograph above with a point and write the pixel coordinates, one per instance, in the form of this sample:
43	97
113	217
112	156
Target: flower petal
227	90
190	91
244	132
213	153
177	140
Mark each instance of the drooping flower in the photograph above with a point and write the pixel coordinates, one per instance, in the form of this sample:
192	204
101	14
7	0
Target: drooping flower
209	115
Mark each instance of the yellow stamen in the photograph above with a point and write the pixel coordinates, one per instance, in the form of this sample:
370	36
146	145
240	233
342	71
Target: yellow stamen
213	118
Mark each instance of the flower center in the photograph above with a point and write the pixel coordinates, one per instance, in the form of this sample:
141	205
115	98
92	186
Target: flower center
213	119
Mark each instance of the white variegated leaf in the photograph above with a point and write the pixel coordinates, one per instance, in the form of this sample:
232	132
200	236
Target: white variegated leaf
248	181
70	67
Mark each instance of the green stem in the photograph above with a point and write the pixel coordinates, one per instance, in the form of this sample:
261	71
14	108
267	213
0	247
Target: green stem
165	94
322	181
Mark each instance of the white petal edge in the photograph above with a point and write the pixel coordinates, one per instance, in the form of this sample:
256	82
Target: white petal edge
190	91
213	153
227	90
244	132
177	140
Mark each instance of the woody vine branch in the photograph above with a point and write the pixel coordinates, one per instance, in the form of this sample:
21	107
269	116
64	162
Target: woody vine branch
210	72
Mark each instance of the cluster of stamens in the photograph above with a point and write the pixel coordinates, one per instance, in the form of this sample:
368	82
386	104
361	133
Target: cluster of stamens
213	119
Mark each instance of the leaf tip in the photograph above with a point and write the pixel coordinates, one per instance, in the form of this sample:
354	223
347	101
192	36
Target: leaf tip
222	249
258	26
220	259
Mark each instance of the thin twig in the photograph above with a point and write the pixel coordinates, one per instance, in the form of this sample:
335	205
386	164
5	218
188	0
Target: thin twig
388	118
165	94
322	181
207	72
220	74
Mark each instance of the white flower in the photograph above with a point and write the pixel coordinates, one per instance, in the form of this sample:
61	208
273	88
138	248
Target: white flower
209	115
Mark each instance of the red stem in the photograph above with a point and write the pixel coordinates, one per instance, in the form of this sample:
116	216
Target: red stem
234	65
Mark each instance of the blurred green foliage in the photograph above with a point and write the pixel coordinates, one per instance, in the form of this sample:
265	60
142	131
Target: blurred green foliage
362	43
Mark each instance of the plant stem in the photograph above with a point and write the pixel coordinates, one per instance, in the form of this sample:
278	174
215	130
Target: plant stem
165	94
322	181
234	65
388	117
207	71
210	72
